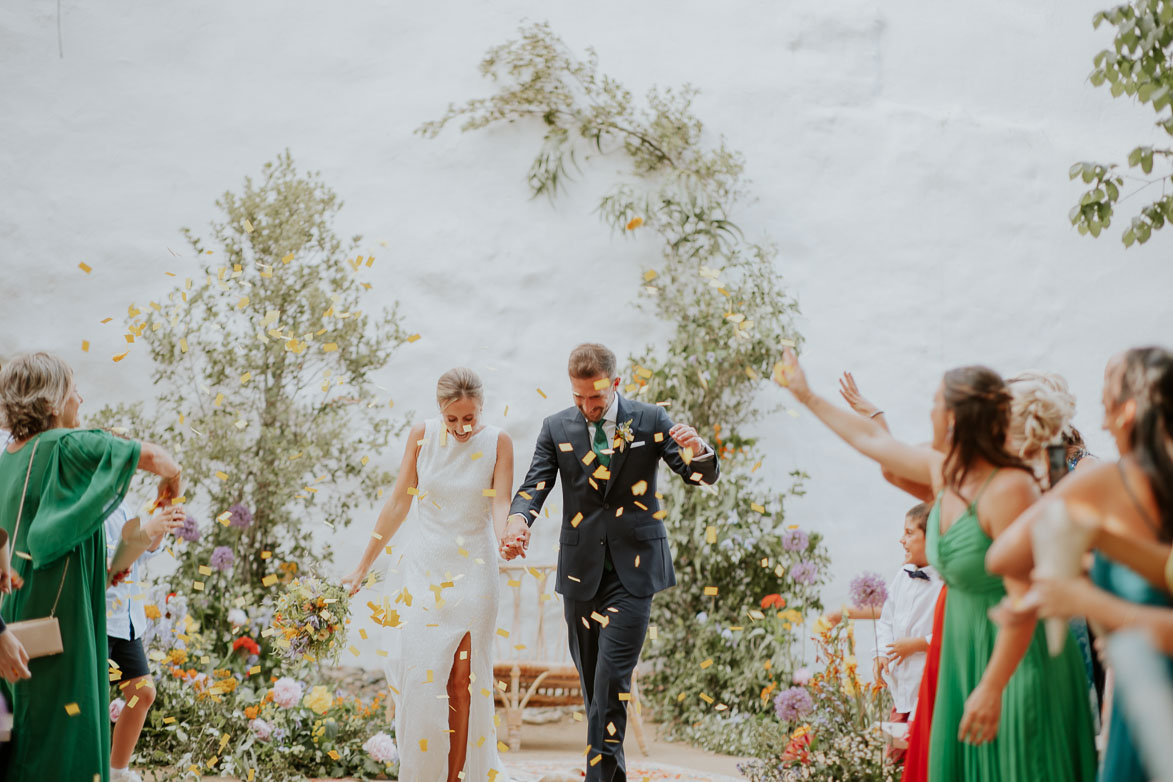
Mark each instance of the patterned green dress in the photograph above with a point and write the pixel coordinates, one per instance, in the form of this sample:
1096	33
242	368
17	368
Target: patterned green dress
61	723
1046	728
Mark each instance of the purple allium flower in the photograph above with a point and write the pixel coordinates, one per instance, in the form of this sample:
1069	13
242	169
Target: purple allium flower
868	590
805	572
795	540
793	704
189	530
222	558
240	516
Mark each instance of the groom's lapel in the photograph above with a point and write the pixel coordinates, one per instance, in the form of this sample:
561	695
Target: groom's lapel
576	432
622	414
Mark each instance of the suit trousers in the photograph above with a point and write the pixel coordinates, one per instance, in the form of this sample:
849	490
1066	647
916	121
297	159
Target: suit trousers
605	654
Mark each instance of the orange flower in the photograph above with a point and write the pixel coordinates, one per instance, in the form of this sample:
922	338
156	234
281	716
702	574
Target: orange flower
250	712
773	600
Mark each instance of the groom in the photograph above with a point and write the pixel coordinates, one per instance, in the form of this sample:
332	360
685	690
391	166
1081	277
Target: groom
613	554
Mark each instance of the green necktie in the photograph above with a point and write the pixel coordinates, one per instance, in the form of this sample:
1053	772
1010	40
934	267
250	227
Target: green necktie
600	444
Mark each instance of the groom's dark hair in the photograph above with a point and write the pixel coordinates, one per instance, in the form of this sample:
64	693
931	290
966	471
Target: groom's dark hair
591	359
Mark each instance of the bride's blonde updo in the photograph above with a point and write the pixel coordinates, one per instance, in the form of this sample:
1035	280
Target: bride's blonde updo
1041	411
457	384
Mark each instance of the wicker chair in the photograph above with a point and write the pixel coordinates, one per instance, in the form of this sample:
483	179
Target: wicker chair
539	673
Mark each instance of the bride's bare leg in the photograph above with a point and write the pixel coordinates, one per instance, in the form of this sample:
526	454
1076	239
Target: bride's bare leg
458	705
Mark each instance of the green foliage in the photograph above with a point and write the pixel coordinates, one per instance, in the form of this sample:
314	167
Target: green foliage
262	376
263	381
732	316
1139	66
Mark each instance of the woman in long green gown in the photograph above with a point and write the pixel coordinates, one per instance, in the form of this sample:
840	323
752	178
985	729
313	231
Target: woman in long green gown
1129	500
61	727
1004	709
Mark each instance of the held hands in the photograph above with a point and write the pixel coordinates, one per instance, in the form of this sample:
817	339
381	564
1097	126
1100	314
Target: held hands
515	541
687	437
983	711
14	660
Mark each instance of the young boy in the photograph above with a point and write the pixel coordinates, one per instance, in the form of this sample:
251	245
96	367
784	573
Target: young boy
905	625
125	621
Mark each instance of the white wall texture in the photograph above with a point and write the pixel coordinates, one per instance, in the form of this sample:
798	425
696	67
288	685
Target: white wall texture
909	158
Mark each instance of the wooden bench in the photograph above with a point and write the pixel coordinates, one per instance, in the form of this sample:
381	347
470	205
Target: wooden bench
537	670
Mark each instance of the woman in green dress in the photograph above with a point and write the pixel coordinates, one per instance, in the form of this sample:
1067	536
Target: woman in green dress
1005	710
70	480
1130	499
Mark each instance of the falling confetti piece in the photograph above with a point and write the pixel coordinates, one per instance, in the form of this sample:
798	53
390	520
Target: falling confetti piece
121	356
269	580
72	709
650	275
85	346
248	226
542	394
634	223
710	591
85	267
413	338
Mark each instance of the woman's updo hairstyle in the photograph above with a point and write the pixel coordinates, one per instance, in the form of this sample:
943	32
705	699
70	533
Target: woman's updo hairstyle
980	402
1041	410
457	384
33	390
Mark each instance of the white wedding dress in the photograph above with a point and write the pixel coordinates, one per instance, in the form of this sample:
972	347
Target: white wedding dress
443	584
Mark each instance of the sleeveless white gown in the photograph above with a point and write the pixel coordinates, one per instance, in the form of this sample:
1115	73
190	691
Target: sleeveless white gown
446	586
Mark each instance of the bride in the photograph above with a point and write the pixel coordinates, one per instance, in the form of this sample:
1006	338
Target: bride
459	472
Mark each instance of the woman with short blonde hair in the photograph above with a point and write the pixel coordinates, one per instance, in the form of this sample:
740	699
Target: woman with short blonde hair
57	485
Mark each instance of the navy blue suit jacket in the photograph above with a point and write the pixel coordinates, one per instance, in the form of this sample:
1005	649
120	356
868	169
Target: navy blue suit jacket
612	516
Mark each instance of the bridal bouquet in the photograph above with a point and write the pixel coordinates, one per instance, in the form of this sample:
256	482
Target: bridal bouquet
310	620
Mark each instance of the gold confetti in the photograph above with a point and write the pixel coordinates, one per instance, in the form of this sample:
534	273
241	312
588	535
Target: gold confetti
221	475
197	585
634	223
248	226
489	492
183	344
85	267
658	437
85	346
330	347
413	338
269	580
576	520
121	356
650	275
542	394
602	383
72	709
287	258
205	570
565	447
706	663
477	455
710	534
639	488
247	376
502	632
710	591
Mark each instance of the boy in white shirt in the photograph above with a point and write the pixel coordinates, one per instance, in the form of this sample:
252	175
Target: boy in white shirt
905	626
125	622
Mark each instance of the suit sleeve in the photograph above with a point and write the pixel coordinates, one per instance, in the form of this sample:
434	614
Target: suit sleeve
708	469
543	470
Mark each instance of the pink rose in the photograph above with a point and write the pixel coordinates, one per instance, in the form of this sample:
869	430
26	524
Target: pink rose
287	692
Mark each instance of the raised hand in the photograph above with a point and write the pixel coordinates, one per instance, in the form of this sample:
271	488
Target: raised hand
164	521
788	374
687	437
850	392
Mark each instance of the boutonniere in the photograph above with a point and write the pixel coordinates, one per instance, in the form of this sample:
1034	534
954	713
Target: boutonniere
623	435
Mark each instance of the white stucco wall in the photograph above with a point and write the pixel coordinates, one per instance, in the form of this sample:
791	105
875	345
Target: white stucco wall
909	158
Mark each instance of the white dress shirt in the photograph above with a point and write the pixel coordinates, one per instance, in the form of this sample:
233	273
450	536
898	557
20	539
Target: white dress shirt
907	613
124	601
610	424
